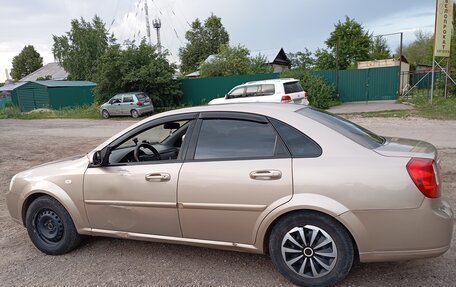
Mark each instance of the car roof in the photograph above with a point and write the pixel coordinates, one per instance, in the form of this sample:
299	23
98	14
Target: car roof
271	81
255	108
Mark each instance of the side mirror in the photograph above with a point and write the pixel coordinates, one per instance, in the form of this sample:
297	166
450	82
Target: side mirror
97	158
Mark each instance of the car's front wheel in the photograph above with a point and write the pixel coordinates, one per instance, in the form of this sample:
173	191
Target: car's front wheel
50	227
311	249
105	114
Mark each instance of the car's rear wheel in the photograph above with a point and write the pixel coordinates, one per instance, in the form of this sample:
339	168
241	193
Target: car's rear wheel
105	114
311	249
50	227
134	114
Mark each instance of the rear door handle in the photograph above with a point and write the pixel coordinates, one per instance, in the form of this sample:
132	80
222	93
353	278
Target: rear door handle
266	174
159	176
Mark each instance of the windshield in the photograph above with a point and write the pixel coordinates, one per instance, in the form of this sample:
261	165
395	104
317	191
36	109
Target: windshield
345	127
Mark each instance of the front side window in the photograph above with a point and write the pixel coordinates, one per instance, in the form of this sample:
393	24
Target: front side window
239	92
160	142
116	99
236	139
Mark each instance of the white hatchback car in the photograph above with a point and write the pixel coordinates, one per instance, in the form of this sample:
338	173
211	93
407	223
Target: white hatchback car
277	90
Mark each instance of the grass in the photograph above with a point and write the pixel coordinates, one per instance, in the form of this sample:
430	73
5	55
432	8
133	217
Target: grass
83	112
441	108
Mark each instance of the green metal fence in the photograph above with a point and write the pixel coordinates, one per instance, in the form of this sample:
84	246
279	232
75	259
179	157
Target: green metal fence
364	84
201	90
353	85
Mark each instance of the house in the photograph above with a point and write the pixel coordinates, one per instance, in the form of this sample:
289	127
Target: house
51	71
277	58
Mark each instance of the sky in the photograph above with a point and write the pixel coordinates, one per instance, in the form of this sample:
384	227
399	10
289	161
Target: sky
256	24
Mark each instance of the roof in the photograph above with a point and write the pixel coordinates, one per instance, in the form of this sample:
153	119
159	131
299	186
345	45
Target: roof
55	70
271	54
51	83
11	87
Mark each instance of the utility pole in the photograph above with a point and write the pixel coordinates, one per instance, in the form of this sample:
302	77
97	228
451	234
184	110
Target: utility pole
157	26
147	21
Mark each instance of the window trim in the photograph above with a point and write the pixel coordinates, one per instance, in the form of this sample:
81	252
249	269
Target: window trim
190	153
137	130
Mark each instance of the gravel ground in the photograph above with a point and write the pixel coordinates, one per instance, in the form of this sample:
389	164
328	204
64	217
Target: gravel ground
108	262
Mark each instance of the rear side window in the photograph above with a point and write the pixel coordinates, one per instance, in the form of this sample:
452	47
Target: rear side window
252	91
345	127
298	143
128	99
236	139
292	87
267	90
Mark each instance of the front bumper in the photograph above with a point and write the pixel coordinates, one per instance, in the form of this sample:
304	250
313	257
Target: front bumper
392	235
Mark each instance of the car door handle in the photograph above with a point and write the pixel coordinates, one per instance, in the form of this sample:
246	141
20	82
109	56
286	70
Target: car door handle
266	174
159	176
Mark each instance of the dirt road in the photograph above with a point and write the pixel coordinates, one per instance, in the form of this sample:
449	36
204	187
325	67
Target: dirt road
108	262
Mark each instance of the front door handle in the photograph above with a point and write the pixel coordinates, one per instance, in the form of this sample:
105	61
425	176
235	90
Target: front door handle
159	176
266	174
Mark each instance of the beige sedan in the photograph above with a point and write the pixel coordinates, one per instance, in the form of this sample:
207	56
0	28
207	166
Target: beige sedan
312	190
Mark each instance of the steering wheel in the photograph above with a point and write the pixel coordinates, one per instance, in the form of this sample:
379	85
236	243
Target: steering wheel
146	157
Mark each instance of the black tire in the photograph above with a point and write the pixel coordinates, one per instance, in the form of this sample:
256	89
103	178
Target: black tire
134	114
105	114
325	227
50	227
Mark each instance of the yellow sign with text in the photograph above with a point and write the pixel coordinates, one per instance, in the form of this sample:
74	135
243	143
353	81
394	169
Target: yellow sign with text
443	28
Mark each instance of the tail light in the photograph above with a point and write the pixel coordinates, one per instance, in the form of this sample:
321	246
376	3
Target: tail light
306	95
286	99
139	104
422	172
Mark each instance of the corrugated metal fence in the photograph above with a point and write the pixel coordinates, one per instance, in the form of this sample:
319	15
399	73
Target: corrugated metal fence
201	90
364	84
353	85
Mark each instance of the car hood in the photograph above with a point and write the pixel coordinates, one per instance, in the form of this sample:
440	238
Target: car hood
402	147
217	101
70	165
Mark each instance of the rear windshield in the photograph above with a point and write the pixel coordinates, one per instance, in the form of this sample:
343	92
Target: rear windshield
292	87
142	97
345	127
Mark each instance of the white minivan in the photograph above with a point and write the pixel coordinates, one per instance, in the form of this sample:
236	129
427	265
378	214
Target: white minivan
277	90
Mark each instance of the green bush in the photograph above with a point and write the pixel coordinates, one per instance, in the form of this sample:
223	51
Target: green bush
322	95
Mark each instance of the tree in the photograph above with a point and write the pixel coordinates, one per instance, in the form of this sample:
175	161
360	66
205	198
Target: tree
301	60
348	44
379	49
26	62
325	60
81	47
203	41
234	61
420	51
137	68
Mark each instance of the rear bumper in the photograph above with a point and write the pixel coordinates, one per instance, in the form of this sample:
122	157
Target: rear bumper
145	109
392	235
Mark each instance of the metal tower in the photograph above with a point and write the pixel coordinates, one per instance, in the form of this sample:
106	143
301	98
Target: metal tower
147	22
157	25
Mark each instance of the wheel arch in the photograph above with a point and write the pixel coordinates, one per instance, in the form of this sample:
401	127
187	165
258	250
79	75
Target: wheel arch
267	234
77	216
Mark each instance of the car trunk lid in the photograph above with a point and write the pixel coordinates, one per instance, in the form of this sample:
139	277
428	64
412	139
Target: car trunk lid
402	147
